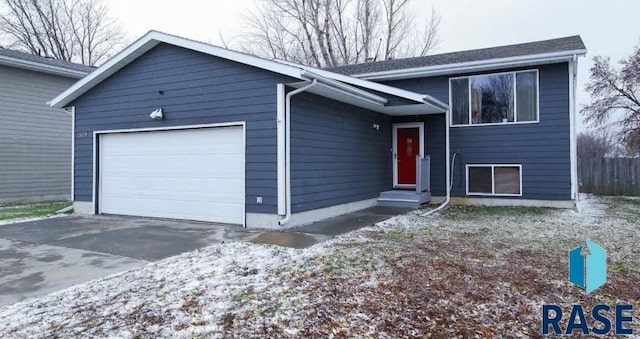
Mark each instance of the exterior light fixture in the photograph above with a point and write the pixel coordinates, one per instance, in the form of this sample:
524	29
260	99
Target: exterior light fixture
157	114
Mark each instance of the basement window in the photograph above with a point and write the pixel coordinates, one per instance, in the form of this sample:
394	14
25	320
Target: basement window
494	180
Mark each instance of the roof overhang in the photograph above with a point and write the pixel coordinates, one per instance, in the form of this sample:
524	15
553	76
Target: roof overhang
332	85
430	104
40	67
149	41
472	66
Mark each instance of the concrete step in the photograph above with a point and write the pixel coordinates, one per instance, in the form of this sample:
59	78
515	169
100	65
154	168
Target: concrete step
404	199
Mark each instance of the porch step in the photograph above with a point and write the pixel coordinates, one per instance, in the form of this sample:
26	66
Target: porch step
406	199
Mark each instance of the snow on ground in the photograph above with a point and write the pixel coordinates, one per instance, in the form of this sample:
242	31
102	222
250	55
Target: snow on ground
19	220
469	271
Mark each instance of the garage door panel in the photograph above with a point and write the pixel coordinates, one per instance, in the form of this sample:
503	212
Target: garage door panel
149	165
110	198
185	174
190	210
139	185
161	171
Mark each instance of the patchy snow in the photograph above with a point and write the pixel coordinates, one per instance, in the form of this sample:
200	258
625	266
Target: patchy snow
19	220
591	205
467	271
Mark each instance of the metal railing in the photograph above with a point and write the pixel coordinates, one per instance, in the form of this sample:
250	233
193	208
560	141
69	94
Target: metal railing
423	174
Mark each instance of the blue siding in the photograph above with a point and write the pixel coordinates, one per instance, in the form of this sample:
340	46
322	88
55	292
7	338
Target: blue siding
542	149
337	156
192	88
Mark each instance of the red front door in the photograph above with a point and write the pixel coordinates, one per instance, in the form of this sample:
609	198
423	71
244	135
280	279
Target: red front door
408	147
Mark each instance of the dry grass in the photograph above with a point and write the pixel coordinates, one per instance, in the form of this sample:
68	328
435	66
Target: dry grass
471	272
468	272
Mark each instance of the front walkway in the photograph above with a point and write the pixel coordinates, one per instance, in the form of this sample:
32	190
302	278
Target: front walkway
307	235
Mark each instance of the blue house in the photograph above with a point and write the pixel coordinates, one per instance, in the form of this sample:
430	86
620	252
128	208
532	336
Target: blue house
175	128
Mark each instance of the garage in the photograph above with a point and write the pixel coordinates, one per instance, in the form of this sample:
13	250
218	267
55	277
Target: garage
194	174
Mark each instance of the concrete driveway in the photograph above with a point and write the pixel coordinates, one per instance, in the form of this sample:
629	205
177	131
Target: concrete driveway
40	257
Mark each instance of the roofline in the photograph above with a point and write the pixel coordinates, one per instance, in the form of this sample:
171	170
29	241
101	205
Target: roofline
480	65
153	38
40	67
354	80
349	89
147	42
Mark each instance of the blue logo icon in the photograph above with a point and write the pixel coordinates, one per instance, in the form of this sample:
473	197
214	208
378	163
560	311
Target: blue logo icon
592	272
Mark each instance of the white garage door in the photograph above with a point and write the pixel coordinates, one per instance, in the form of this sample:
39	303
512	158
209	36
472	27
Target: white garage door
195	174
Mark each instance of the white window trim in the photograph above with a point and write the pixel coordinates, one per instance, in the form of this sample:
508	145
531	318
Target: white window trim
394	135
493	183
515	100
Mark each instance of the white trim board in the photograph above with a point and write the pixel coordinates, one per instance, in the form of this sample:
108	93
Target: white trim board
40	67
394	150
473	66
295	71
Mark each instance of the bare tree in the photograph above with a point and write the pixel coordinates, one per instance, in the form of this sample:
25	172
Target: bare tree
616	92
70	30
326	33
594	144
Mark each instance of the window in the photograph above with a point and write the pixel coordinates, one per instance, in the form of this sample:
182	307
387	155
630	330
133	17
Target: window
501	180
500	98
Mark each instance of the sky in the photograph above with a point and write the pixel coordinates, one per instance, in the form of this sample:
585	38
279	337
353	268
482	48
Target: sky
608	28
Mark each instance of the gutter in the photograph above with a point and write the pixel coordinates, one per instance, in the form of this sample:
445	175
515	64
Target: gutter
346	88
287	149
426	71
435	102
39	67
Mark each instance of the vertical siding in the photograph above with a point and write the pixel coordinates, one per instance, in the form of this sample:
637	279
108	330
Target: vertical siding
192	88
542	149
35	140
337	156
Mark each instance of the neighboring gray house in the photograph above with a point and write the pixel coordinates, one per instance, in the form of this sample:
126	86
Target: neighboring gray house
35	139
176	128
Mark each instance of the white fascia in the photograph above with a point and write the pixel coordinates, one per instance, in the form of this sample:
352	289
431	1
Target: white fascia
346	88
39	67
401	93
152	39
472	66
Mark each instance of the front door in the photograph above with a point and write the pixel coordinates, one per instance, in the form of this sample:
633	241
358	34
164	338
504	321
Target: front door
408	143
407	148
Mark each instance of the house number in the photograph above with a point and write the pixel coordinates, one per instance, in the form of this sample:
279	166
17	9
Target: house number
82	134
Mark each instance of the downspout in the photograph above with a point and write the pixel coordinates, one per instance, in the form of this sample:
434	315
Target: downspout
448	166
287	119
72	111
573	65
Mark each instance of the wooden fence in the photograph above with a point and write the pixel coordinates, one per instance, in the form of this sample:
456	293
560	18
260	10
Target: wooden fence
609	176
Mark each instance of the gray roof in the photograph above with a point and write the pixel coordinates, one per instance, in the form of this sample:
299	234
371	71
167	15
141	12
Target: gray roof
531	48
45	61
